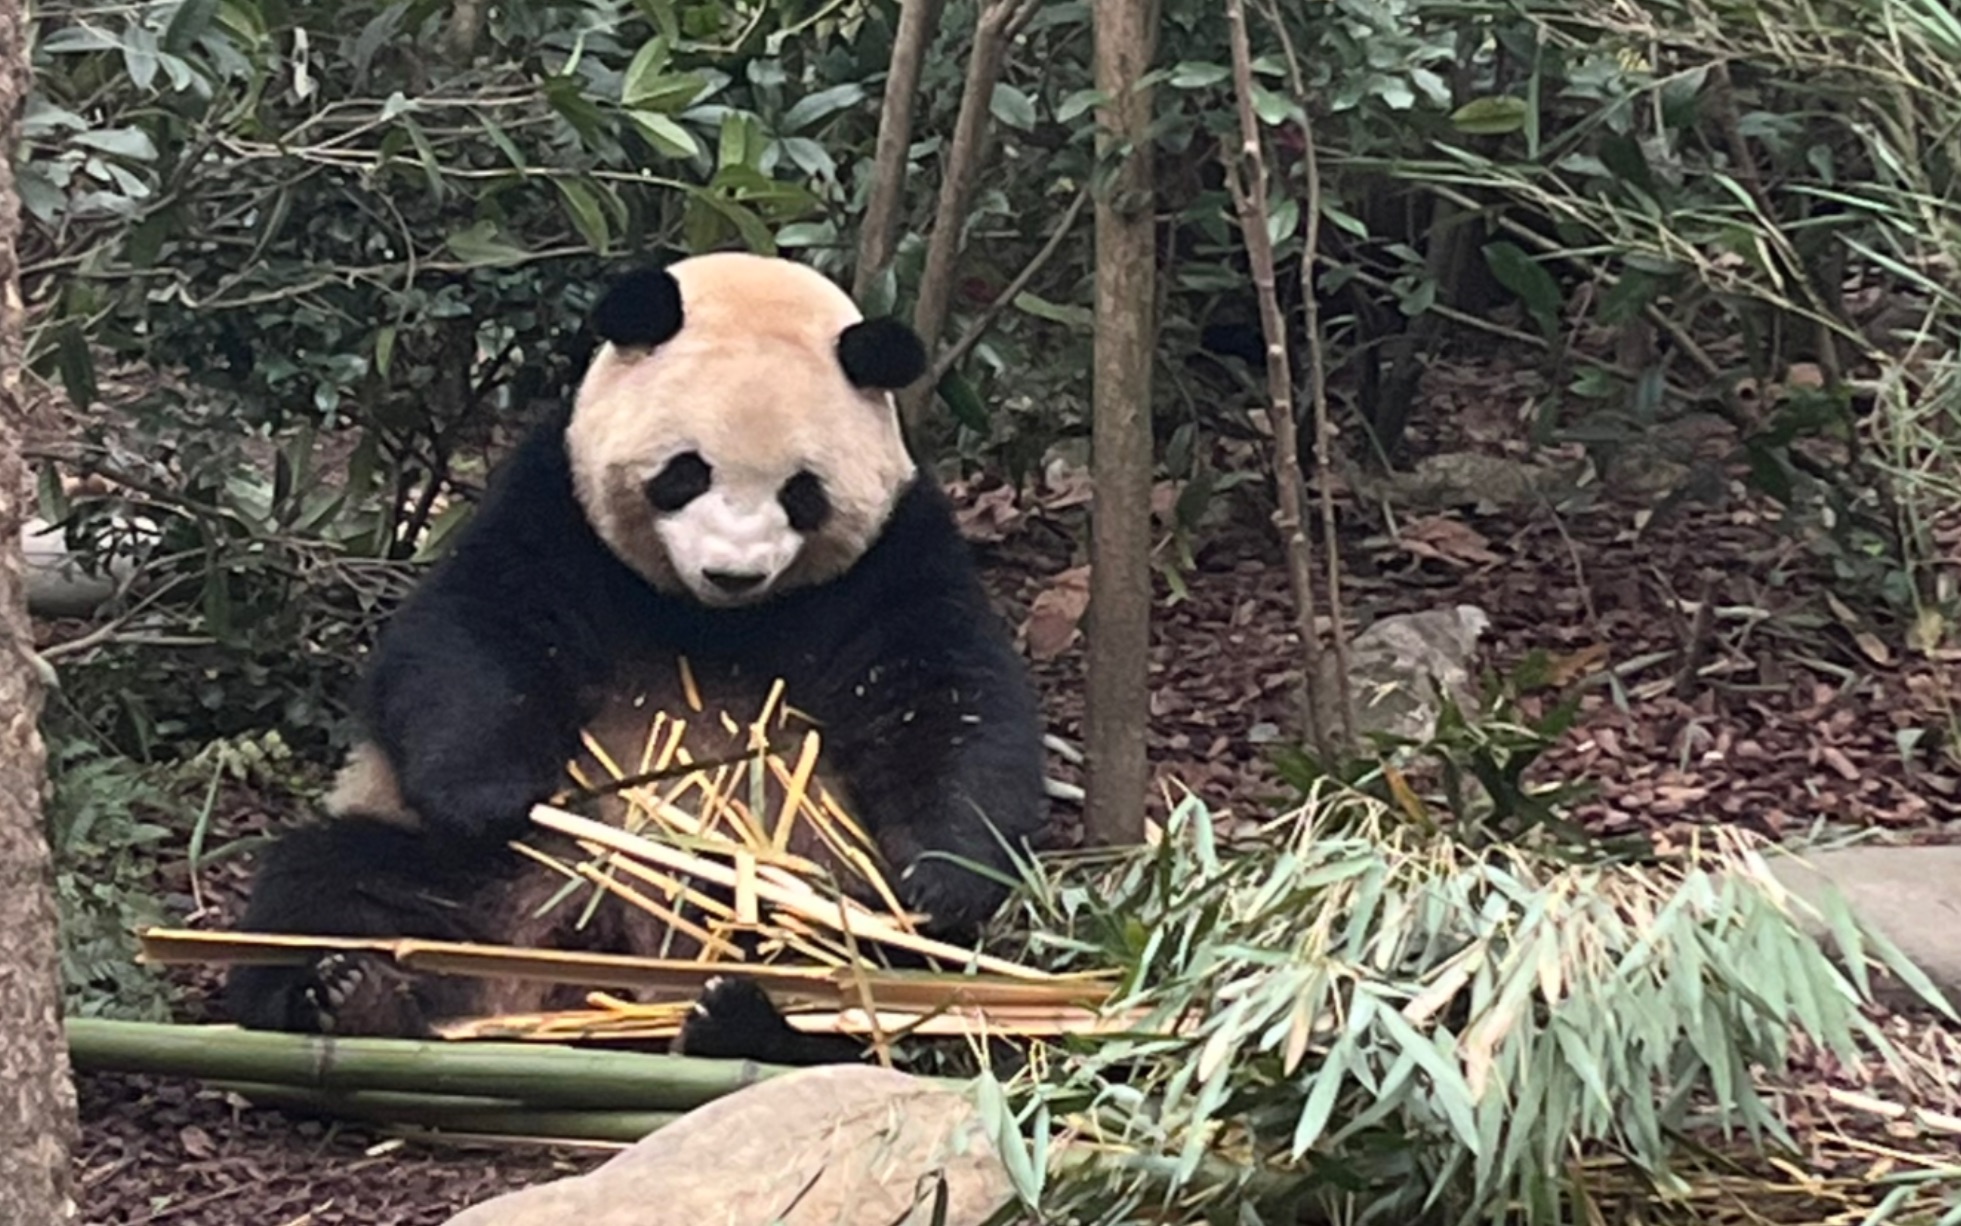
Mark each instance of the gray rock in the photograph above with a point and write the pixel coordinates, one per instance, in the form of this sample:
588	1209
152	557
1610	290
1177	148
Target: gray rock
1911	894
846	1145
1396	664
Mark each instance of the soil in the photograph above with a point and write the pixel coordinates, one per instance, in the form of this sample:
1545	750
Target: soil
1792	717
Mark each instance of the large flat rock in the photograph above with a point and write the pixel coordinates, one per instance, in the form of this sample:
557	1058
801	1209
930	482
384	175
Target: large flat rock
1911	894
845	1145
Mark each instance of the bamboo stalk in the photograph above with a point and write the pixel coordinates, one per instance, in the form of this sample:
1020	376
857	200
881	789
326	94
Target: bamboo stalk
566	1078
452	1113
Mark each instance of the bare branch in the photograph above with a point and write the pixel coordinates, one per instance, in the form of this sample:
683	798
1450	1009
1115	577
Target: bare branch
999	22
1317	361
1247	177
879	234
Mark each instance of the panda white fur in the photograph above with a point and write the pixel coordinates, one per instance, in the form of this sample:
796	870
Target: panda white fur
729	485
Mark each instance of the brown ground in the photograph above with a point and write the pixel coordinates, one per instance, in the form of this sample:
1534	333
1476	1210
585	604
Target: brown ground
1791	725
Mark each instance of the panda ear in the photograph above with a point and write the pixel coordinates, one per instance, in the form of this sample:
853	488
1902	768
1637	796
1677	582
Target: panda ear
881	353
639	310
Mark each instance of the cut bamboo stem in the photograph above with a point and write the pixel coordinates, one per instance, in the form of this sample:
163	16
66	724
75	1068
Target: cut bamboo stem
534	1075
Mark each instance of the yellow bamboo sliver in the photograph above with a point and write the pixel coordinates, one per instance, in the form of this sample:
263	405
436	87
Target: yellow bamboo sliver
688	687
675	918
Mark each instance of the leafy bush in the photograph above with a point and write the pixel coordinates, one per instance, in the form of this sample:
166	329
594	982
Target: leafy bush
113	824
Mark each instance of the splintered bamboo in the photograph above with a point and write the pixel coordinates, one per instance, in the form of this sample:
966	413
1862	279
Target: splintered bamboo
807	902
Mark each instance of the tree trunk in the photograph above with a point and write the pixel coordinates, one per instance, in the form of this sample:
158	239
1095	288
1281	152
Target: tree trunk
1118	700
37	1099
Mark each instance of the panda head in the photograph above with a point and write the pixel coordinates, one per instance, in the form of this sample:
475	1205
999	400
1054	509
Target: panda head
735	436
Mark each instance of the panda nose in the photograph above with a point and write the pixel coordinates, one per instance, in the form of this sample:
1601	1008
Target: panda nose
735	582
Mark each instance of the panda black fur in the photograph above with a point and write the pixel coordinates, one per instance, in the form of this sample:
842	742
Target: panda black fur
729	486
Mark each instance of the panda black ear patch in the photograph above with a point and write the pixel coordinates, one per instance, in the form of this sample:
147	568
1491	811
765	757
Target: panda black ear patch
639	310
881	353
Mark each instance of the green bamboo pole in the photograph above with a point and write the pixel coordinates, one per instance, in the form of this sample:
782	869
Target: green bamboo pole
534	1074
447	1113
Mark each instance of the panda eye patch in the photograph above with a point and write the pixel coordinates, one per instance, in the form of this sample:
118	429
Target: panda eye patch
685	479
804	501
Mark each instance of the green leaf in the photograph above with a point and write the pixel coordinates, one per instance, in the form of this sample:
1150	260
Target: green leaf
188	24
642	75
1623	156
807	234
711	216
670	93
1079	104
504	143
587	215
431	168
1496	115
1055	312
483	244
1191	74
1526	277
666	135
132	143
146	239
442	528
812	109
737	145
78	40
76	364
963	402
384	349
1274	109
1325	1086
1282	220
1012	107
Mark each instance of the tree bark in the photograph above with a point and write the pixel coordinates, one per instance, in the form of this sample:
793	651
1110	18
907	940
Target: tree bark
37	1097
1117	706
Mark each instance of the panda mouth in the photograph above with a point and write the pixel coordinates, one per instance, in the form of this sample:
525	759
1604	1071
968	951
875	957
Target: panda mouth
736	584
731	588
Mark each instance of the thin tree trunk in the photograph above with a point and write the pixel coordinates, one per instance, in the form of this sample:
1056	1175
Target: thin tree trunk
37	1097
879	236
1117	706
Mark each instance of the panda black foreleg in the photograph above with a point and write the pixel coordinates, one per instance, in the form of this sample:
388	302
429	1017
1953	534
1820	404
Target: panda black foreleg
351	877
475	710
952	824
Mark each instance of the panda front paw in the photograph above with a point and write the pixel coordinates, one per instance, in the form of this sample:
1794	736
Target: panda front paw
363	994
733	1018
955	900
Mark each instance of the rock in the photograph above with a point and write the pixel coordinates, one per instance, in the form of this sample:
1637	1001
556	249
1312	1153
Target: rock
1477	479
835	1145
1912	894
1395	664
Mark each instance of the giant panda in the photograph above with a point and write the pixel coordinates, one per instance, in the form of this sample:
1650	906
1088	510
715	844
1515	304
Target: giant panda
728	493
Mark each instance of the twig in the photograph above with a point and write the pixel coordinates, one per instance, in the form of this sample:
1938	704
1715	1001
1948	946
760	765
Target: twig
978	329
878	235
1318	380
998	23
1249	196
